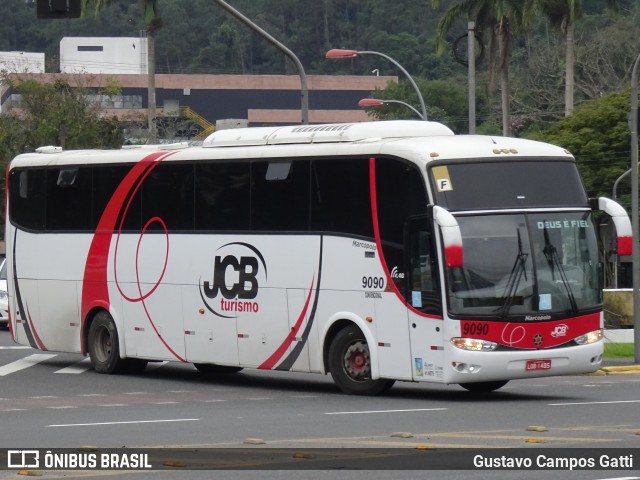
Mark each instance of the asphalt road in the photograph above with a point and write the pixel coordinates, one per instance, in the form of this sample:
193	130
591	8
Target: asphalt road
51	401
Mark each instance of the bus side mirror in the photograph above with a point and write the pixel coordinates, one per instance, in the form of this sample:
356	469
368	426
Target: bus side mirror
620	220
451	236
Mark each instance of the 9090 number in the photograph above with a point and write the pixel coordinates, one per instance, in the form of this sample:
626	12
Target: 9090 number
477	328
373	282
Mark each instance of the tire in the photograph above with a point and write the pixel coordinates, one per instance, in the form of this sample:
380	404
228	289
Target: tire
211	369
103	345
350	364
484	387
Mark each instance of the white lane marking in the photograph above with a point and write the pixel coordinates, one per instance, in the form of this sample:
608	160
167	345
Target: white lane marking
125	423
25	362
15	348
388	411
623	478
79	367
593	403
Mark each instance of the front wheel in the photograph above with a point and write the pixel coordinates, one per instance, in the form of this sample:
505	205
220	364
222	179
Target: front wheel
103	345
484	387
350	364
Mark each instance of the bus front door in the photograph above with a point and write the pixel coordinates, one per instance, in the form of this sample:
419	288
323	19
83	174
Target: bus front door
424	300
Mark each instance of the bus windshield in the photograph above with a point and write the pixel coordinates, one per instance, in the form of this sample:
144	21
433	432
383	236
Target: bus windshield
526	266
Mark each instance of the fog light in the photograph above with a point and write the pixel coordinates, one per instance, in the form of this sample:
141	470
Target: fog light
591	337
474	344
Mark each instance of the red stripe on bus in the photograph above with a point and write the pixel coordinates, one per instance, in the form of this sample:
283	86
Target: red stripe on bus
270	362
41	345
95	292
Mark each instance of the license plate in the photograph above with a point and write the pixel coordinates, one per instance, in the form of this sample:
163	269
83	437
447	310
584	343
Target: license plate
538	365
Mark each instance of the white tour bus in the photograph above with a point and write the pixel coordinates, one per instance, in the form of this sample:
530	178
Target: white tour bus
376	252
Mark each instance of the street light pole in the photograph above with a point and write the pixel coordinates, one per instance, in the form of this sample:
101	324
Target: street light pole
471	52
342	53
304	89
634	208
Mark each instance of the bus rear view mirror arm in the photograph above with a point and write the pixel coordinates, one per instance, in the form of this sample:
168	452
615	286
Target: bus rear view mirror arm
451	237
620	220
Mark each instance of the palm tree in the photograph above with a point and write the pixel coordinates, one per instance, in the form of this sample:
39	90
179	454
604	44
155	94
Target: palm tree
564	14
499	19
152	23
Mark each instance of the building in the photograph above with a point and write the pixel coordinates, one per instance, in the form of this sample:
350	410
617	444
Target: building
22	62
103	55
255	100
206	100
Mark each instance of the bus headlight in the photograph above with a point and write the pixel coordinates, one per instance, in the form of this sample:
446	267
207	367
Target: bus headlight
474	344
591	337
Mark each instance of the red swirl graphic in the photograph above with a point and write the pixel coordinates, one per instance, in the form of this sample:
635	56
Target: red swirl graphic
512	334
94	290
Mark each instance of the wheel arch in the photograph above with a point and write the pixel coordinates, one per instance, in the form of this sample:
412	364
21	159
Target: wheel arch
86	326
341	321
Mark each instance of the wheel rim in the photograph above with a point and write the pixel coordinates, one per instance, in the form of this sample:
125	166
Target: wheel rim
357	361
103	344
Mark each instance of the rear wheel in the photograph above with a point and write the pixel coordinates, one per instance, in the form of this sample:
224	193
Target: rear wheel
350	364
211	369
103	345
484	386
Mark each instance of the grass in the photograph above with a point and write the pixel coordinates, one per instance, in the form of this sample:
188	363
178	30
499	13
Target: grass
618	350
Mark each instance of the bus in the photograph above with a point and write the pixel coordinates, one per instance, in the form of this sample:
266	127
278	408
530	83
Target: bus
375	252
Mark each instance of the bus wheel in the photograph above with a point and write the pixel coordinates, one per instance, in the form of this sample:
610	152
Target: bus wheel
103	345
350	364
484	386
211	369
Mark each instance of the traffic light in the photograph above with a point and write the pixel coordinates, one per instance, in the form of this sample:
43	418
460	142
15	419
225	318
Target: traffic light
58	8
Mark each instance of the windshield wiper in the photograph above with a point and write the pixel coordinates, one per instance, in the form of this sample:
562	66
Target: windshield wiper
551	254
517	272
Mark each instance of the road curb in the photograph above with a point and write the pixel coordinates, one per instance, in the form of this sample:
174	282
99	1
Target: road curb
621	369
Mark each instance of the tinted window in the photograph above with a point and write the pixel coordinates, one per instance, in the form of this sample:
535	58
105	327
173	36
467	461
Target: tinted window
167	193
27	198
106	180
280	195
68	198
508	184
222	196
401	194
341	201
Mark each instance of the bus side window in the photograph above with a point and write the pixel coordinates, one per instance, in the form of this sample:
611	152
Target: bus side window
27	190
423	291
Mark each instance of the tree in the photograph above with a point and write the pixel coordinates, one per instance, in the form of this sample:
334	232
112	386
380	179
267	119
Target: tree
597	134
60	113
152	23
500	18
564	14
